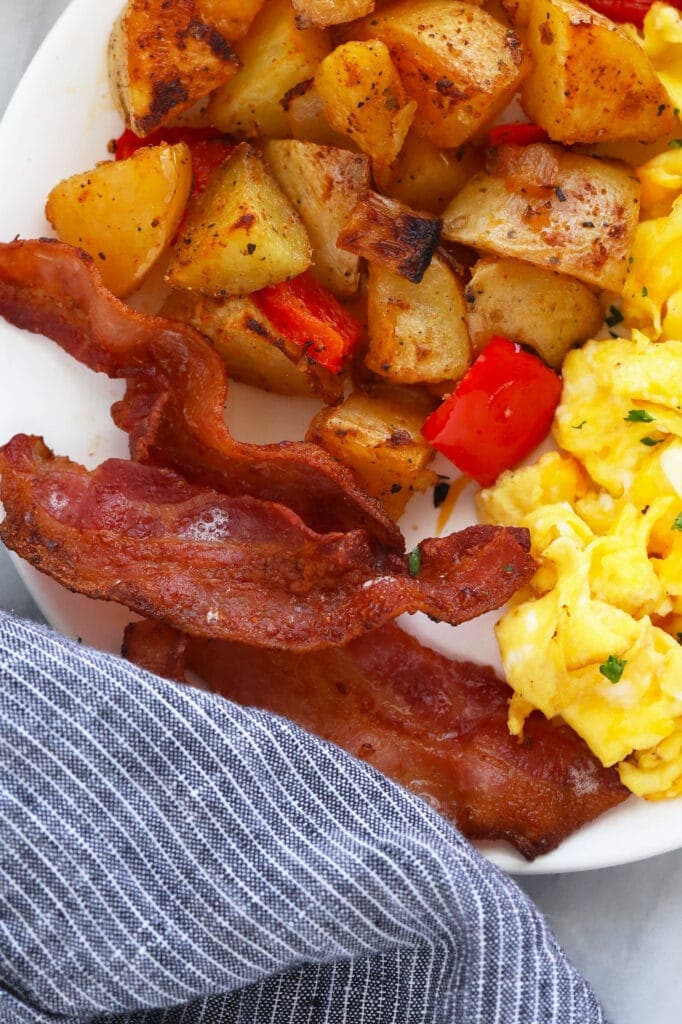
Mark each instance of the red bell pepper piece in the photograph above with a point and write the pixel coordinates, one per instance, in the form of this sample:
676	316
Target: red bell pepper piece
304	312
500	410
208	149
627	10
519	133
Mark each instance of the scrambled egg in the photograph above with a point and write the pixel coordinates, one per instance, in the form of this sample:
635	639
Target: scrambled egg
662	33
595	637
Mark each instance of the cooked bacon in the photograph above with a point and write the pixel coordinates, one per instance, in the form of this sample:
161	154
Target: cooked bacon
236	568
437	726
177	386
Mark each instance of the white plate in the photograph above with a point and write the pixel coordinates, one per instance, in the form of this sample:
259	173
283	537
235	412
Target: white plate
59	123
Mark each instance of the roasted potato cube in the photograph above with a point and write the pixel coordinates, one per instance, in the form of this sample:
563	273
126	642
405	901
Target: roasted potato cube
276	56
570	213
427	178
460	65
329	12
252	350
417	332
384	231
363	97
163	58
232	18
380	439
592	79
306	118
124	214
323	184
241	234
546	311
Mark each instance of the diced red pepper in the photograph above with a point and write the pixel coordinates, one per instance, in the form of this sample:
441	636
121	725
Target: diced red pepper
499	412
520	133
304	312
208	149
627	10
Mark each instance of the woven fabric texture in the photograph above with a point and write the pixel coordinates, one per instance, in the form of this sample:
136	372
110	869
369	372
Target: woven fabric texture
167	856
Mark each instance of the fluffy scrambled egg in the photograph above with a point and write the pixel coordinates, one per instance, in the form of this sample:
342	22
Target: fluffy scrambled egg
596	635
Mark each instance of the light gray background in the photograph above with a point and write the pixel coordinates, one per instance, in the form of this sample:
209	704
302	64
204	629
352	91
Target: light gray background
623	926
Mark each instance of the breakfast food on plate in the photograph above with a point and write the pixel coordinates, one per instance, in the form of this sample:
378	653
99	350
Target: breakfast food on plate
356	212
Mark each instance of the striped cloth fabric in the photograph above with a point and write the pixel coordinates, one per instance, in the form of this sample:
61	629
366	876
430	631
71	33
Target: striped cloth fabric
167	856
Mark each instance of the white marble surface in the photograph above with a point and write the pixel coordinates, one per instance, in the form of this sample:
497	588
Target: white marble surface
622	927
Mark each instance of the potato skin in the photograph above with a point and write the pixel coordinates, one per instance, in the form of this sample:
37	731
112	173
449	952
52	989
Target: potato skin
553	208
124	213
549	312
162	59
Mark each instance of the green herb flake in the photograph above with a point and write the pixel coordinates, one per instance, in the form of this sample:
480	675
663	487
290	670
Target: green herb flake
613	668
651	441
675	143
615	317
639	416
414	561
679	637
677	525
645	291
676	111
508	568
578	426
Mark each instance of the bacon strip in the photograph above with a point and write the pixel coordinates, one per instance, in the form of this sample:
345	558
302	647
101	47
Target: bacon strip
437	726
236	568
177	387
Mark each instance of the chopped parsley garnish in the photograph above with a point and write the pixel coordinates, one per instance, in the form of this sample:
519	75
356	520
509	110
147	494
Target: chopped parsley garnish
679	637
639	416
578	426
651	441
645	291
613	668
675	143
414	561
508	568
677	525
440	493
615	317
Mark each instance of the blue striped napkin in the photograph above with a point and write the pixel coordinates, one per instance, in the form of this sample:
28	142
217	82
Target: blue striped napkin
167	856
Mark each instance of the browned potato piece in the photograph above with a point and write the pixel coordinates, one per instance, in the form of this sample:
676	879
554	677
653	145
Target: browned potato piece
124	214
384	231
323	184
232	18
329	12
417	332
253	351
556	209
306	119
536	307
276	56
592	80
163	58
241	234
380	439
518	11
426	178
363	97
459	64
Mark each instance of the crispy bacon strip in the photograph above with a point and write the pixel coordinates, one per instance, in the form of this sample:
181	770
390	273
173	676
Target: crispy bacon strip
437	726
177	386
236	568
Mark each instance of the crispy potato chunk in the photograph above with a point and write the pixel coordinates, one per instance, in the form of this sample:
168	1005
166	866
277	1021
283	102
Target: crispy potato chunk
306	118
460	65
276	56
329	12
417	332
592	80
124	214
380	439
427	178
323	184
384	231
241	234
362	96
253	351
570	213
546	311
163	58
232	18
